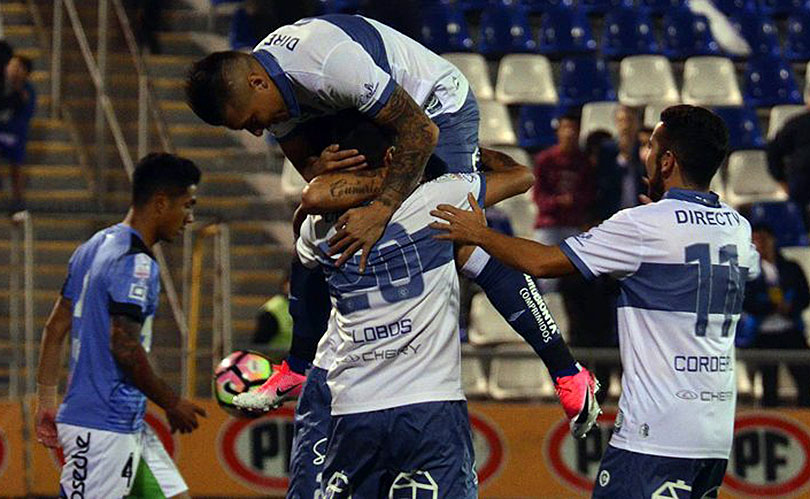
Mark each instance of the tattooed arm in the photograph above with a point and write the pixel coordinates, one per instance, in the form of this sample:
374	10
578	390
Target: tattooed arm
335	192
505	177
132	359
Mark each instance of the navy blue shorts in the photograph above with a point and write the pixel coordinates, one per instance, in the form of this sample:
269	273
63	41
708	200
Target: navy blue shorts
414	451
457	149
311	430
627	475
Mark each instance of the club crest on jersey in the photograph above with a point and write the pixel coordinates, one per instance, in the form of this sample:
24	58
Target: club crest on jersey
371	89
143	266
137	292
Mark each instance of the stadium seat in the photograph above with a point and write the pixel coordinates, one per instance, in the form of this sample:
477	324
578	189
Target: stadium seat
769	82
743	128
807	83
468	5
584	79
687	34
487	327
444	29
473	377
661	7
759	31
749	180
780	115
339	6
627	31
496	127
647	79
710	81
597	116
718	185
292	183
522	212
565	30
540	6
652	113
474	67
797	43
785	219
525	79
732	7
601	6
783	7
505	29
536	126
516	378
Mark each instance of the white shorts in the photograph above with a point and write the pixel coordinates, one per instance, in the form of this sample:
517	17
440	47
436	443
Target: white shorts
103	464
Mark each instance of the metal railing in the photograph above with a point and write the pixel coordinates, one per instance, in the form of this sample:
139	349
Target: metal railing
21	305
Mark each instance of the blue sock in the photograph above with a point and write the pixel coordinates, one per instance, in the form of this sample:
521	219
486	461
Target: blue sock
517	298
309	307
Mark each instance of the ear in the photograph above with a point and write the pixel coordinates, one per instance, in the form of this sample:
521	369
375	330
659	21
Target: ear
160	202
389	156
668	164
257	81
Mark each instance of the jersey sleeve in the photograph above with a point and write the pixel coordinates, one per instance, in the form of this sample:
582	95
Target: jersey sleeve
613	247
752	263
305	245
70	288
452	188
132	286
351	79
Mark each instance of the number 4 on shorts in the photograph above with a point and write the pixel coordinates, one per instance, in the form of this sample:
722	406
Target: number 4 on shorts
127	471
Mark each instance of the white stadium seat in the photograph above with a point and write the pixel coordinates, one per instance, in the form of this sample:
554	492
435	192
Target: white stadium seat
474	67
518	378
487	327
801	255
496	126
652	113
718	185
710	81
749	180
597	116
780	115
473	378
525	79
292	183
522	212
646	79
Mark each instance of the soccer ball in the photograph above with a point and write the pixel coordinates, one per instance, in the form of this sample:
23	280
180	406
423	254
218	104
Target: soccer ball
240	372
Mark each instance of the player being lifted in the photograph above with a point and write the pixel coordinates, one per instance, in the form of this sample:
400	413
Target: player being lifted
682	263
319	66
108	303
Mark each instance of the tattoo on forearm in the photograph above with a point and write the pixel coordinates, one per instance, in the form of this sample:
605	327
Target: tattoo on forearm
413	146
132	359
343	188
494	160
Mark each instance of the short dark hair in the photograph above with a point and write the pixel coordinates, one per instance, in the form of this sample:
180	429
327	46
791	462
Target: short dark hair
572	114
354	131
162	172
699	140
27	63
595	139
207	89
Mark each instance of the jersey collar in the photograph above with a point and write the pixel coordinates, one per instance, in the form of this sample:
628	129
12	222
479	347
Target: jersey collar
279	77
709	199
136	243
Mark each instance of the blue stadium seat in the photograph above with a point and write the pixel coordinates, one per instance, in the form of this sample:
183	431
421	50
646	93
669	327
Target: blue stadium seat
627	31
661	7
759	31
687	35
769	82
536	126
584	79
468	5
743	128
540	6
444	29
565	30
732	7
797	44
339	6
505	29
602	6
783	7
784	218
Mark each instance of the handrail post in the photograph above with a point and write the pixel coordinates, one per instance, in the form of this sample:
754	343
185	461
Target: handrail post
28	288
101	91
143	115
14	290
56	60
224	240
216	319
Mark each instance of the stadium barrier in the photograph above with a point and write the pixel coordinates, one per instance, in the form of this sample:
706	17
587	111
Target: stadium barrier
522	450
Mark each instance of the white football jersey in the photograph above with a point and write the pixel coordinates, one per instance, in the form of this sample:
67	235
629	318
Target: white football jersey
682	264
396	324
329	63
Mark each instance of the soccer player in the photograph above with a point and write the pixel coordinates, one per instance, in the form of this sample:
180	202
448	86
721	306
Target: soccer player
322	65
682	262
393	427
108	303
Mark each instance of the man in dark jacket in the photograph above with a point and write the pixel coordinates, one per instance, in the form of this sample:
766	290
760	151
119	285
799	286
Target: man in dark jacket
789	160
773	304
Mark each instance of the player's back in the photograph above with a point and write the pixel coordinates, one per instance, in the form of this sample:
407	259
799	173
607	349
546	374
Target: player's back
112	273
397	322
686	259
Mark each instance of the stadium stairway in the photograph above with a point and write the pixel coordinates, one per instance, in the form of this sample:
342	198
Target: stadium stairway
240	184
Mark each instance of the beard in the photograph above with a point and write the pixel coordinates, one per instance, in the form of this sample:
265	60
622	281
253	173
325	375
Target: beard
655	187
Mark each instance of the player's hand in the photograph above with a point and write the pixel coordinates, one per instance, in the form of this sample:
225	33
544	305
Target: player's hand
333	159
465	227
359	229
45	422
183	416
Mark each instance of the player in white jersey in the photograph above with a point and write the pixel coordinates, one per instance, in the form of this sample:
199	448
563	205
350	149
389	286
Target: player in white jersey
107	304
682	263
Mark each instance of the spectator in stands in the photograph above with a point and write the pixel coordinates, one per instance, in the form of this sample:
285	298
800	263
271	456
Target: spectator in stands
773	306
602	151
274	323
631	166
789	160
563	189
15	121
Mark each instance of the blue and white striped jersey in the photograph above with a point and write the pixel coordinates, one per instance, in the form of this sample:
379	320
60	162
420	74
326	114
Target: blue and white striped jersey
394	329
112	273
682	264
325	64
